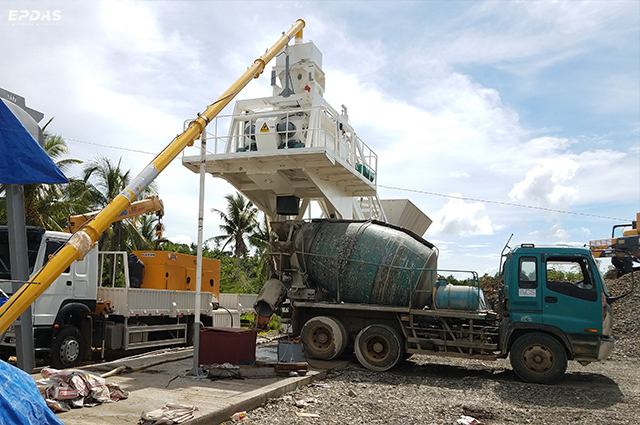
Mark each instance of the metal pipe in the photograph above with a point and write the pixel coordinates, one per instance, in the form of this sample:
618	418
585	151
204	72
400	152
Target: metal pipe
195	370
83	241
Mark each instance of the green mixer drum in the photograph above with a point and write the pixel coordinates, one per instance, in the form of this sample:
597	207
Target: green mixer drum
367	262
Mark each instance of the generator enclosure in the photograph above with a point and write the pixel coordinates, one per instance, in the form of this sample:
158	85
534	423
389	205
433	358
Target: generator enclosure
177	272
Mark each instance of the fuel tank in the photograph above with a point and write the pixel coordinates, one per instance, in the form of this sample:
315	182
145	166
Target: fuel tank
367	262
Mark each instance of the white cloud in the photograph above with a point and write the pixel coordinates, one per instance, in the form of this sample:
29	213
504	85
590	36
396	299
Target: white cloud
544	185
460	218
559	233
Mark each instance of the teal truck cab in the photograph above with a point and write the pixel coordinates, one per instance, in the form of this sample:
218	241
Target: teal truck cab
555	306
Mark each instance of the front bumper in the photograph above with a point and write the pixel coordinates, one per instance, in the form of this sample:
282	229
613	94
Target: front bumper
606	347
591	348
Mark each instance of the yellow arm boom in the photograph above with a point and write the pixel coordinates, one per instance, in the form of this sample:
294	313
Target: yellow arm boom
152	204
82	241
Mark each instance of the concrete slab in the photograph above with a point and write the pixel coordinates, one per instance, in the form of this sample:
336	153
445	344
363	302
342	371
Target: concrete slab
157	379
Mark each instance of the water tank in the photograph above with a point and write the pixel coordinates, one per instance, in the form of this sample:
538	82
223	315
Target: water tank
367	262
457	297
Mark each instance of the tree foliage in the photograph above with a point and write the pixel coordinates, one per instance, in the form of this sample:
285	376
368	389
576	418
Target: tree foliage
103	181
238	224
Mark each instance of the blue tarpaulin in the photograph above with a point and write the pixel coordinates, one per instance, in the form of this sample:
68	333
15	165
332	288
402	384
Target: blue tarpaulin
22	159
20	400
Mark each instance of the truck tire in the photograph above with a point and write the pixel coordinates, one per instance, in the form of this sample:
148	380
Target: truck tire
324	338
379	347
67	348
538	358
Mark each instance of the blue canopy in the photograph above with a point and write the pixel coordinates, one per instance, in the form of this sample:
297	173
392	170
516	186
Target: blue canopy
22	159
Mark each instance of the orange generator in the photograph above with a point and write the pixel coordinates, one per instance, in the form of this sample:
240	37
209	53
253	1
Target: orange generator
177	272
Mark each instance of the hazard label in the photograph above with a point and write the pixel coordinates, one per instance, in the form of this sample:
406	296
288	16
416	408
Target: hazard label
264	128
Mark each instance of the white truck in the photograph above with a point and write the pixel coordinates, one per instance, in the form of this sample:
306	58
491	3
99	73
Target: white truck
92	306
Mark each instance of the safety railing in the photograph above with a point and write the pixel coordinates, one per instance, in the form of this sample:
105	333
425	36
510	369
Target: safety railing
317	127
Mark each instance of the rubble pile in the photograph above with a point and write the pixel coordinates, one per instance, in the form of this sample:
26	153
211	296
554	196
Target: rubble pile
626	316
490	286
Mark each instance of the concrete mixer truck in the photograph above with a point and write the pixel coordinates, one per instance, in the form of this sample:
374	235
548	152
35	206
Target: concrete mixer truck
375	287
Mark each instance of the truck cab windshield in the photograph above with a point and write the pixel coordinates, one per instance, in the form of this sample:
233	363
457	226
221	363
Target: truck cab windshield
34	237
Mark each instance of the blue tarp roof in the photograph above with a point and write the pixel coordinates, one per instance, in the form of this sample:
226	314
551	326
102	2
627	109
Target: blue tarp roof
20	400
22	159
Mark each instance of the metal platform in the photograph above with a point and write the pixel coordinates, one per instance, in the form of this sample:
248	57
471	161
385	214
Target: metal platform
294	144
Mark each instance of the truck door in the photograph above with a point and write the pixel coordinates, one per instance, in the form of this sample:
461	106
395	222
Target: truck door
525	302
48	304
571	301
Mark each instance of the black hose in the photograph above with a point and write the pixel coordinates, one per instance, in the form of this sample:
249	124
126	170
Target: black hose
230	315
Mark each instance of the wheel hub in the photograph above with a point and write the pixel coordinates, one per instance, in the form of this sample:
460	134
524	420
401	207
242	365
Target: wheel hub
69	350
376	348
538	359
321	339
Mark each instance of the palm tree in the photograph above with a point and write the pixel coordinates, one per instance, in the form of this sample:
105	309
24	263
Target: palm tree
109	180
260	236
238	223
260	239
145	232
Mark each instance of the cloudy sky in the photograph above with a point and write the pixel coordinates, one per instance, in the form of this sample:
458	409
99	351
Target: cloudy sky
472	107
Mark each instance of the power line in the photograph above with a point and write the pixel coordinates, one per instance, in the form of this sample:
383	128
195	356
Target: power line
510	204
424	192
109	146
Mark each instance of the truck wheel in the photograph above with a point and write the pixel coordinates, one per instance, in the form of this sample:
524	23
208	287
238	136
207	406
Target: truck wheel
324	338
379	347
538	358
67	348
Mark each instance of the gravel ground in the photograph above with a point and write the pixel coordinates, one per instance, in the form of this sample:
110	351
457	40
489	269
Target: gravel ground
434	390
431	390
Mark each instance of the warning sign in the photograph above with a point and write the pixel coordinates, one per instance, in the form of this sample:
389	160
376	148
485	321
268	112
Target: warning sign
264	128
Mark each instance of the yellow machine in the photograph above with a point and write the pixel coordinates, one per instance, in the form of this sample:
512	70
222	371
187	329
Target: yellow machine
624	251
152	204
177	272
84	239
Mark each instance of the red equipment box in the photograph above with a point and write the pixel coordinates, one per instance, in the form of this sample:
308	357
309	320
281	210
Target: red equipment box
227	345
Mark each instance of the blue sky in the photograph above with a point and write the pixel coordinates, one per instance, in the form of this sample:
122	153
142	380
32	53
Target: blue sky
531	102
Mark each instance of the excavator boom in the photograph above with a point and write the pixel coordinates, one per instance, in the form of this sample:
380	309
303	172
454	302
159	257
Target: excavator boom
83	240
